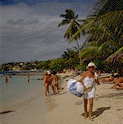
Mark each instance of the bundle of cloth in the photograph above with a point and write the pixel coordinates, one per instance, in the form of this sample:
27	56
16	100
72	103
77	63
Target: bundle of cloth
75	87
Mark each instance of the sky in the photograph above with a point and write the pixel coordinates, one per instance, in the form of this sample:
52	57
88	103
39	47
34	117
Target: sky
29	32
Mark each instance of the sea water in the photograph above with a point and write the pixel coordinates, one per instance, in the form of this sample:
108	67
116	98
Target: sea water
19	91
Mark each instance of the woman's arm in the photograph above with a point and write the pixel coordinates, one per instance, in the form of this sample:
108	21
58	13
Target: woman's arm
96	80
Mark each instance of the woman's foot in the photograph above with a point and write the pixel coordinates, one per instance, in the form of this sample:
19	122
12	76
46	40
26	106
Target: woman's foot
90	118
85	116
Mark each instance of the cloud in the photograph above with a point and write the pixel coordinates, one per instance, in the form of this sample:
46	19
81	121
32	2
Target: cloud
31	32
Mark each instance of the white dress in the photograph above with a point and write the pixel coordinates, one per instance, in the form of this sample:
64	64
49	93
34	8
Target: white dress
89	82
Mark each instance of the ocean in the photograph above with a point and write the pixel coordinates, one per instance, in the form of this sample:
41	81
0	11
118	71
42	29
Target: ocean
18	91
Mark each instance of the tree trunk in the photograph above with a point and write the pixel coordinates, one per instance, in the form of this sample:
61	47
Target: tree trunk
78	49
120	67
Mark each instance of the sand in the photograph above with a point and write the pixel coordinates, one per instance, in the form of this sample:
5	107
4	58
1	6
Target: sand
68	109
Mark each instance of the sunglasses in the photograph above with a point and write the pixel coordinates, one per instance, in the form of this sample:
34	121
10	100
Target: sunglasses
91	67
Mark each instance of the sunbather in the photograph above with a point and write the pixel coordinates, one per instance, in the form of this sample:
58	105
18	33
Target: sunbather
110	78
118	83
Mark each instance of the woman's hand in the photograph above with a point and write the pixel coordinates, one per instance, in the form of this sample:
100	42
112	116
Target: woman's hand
96	78
84	87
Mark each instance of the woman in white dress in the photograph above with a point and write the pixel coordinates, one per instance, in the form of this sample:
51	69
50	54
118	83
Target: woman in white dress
88	80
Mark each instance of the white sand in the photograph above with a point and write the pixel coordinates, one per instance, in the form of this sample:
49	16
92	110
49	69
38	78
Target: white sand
67	108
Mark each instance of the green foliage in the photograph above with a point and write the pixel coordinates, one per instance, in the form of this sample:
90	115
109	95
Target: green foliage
6	68
26	67
105	36
69	54
57	65
110	68
88	53
74	26
71	58
100	64
81	66
44	65
72	63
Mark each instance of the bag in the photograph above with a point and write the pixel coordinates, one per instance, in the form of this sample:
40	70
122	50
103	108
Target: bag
73	90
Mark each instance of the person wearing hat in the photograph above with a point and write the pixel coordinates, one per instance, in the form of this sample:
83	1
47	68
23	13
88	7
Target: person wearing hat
48	82
88	80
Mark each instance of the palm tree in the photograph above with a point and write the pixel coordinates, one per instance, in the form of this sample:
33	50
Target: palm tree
70	18
105	21
103	27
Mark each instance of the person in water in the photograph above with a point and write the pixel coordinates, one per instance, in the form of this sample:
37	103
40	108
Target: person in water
88	80
6	79
27	76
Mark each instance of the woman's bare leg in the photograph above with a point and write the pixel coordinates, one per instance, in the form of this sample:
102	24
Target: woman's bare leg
115	85
90	108
58	89
120	86
47	90
85	107
53	89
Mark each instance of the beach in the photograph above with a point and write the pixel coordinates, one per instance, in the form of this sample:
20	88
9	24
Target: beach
68	109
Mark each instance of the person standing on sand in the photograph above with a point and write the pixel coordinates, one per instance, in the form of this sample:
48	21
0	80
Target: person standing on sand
48	82
88	80
55	82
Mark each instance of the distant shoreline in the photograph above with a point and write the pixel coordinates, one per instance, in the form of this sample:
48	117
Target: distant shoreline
21	73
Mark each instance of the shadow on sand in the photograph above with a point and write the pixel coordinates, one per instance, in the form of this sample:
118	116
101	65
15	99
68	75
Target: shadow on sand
52	94
79	102
98	112
6	112
63	93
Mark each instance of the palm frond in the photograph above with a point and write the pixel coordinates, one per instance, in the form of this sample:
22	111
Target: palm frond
114	55
62	15
83	27
110	5
71	30
108	12
88	53
106	44
64	22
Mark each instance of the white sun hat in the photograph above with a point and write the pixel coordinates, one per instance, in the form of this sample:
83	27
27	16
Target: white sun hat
48	72
91	64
